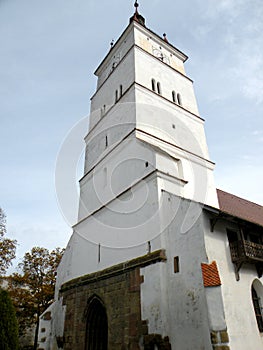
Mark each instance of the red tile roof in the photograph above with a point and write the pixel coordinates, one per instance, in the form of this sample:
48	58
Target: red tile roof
211	275
240	208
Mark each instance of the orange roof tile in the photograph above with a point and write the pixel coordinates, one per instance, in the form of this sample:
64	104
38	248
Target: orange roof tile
211	276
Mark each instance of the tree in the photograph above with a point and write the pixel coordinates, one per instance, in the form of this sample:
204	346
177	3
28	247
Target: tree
8	323
7	246
33	290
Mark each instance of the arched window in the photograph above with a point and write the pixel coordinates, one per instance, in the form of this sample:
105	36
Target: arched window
97	325
257	305
120	90
159	88
153	85
116	96
106	141
179	99
174	96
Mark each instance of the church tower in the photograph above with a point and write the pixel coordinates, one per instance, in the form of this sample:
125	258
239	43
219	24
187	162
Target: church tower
131	276
144	119
145	137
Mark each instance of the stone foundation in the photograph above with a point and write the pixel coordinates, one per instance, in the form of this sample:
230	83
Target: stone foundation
152	340
220	340
119	289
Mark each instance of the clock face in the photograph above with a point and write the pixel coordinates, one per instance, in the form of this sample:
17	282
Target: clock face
158	53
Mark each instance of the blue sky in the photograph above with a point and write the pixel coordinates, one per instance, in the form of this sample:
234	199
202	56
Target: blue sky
49	51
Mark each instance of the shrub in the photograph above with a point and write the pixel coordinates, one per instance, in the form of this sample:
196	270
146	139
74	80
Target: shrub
8	323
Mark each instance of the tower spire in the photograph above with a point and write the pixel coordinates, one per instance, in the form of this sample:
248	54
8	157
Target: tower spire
136	5
137	17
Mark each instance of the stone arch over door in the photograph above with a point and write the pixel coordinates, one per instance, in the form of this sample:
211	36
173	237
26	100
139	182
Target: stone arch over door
96	325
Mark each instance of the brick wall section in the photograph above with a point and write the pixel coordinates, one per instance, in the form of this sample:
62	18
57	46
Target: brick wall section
119	289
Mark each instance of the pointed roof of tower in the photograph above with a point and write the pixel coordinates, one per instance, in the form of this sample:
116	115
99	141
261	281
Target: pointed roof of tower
137	17
140	20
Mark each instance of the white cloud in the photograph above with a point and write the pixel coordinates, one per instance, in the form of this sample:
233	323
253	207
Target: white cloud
233	32
29	235
254	88
248	186
238	27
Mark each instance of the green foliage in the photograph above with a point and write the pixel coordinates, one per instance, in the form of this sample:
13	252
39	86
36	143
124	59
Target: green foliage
32	291
7	246
8	323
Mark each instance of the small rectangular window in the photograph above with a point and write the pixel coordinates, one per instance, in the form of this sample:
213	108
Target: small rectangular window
176	264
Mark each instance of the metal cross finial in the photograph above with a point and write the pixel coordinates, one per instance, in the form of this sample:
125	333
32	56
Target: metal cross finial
136	16
136	5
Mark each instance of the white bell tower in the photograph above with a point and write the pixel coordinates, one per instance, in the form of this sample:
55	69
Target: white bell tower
144	101
145	138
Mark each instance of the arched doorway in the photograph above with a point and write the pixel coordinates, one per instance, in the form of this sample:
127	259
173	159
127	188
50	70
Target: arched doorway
97	325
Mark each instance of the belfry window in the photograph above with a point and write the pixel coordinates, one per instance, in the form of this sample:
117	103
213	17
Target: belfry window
120	91
116	96
153	85
174	96
257	308
159	88
96	325
179	99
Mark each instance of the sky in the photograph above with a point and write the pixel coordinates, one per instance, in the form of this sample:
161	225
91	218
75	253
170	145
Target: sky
48	53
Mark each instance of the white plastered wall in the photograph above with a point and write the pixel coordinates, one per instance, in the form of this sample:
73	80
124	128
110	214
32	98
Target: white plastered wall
240	316
148	68
175	303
